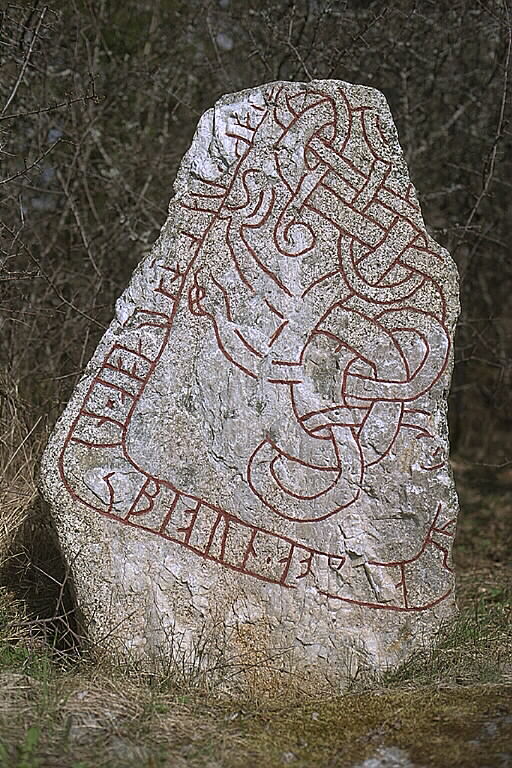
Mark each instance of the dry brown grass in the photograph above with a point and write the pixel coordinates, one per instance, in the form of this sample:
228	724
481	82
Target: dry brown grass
18	463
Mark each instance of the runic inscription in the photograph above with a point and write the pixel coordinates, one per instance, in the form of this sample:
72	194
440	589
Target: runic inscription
269	400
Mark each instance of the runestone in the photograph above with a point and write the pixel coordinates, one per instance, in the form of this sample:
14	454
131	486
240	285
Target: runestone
258	452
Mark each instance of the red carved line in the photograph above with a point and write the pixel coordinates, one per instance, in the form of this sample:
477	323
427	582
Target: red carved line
274	95
358	355
194	238
432	468
384	607
323	98
277	333
168	515
117	387
320	279
238	569
247	191
341	558
238	138
151	313
285	381
426	354
213	532
342	158
193	517
273	309
392	300
349	109
338	226
362	189
143	493
101	418
287	562
291	110
334	408
265	218
281	175
404	586
301	462
367	138
359	214
303	497
445	555
424	432
297	416
402	216
257	206
398	426
292	223
216	196
119	369
250	550
90	444
246	343
212	183
224	540
307	562
405	197
164	291
223	349
328	514
250	547
122	347
446	525
389	381
393	264
235	260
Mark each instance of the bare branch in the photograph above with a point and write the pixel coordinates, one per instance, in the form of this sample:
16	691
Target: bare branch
26	60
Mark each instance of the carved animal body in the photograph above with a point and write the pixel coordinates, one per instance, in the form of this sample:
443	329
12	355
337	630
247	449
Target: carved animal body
302	298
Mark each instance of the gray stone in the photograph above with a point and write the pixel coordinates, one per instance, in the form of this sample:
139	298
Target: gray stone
388	757
257	455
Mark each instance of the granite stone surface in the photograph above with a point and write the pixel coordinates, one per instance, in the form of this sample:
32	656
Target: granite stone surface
258	450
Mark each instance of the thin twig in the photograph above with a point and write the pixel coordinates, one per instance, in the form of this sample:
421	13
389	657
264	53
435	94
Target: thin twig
53	107
54	288
80	225
491	159
25	61
32	165
300	60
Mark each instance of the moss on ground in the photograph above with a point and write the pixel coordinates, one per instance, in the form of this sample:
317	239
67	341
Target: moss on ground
435	726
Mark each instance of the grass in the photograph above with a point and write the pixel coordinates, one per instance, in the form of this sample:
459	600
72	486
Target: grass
448	706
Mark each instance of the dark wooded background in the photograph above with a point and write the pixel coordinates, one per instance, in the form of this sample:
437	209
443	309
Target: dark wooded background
100	99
